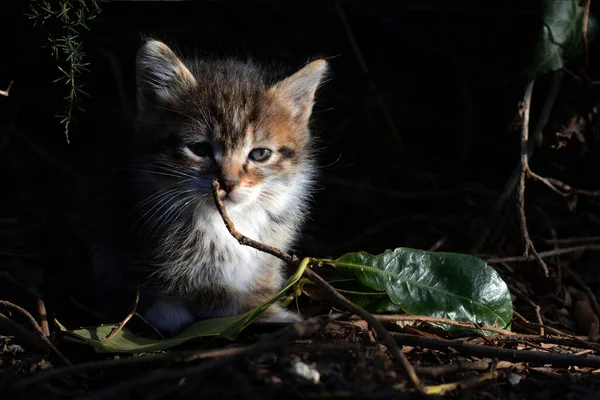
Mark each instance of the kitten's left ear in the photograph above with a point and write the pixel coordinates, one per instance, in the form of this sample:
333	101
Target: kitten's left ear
298	90
161	75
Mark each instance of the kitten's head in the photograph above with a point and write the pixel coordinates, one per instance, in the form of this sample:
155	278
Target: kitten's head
202	120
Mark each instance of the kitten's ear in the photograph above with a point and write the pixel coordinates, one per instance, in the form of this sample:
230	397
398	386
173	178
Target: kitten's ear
298	90
161	75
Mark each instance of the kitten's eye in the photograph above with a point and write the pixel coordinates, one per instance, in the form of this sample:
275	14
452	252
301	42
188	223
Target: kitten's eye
260	154
202	149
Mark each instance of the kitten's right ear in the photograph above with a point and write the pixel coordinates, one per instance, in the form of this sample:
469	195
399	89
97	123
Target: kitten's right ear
161	75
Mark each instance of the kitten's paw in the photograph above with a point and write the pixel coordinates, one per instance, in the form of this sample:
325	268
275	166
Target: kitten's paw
280	315
169	316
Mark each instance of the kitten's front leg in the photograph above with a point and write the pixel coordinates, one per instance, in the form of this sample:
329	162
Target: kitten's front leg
276	313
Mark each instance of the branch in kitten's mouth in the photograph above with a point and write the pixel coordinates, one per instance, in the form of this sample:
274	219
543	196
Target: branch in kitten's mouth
243	240
335	296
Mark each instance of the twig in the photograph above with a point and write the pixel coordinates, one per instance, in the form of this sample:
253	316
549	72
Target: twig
435	320
535	307
461	366
561	188
38	329
41	306
271	342
476	350
544	254
574	240
363	65
586	288
121	324
512	182
524	170
467	383
555	331
346	304
246	241
574	341
175	357
557	261
43	315
436	246
21	335
584	28
172	358
5	92
334	295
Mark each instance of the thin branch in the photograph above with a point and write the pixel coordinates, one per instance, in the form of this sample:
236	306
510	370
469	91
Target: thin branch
13	307
584	28
573	240
243	240
121	324
385	336
544	254
435	320
441	370
535	307
39	301
574	341
174	357
363	65
333	294
524	171
475	350
5	92
269	343
21	334
586	288
512	182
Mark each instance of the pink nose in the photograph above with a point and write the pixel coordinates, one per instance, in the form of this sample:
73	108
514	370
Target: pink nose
228	184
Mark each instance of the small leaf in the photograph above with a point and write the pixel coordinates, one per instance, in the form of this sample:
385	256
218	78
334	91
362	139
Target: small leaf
126	342
561	36
455	286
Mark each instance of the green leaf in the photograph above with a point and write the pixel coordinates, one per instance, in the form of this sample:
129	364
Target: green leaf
377	302
561	37
126	342
447	285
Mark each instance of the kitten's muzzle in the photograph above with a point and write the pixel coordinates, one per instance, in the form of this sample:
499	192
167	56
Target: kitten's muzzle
227	186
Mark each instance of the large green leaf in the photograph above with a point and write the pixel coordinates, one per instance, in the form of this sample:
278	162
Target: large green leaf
372	300
448	285
126	342
561	37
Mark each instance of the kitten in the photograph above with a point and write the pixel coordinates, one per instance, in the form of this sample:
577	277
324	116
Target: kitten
158	227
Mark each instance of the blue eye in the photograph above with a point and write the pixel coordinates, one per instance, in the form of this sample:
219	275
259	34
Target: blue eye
260	154
202	149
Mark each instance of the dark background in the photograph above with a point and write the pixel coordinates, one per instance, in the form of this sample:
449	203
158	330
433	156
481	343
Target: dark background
420	156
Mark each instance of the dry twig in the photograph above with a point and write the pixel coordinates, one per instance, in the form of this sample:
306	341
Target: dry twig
121	324
271	342
436	320
13	307
524	172
535	307
6	92
333	294
590	294
512	182
21	335
584	28
475	350
39	301
544	254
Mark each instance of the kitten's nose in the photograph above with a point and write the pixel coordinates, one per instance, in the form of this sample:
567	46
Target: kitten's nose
228	184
